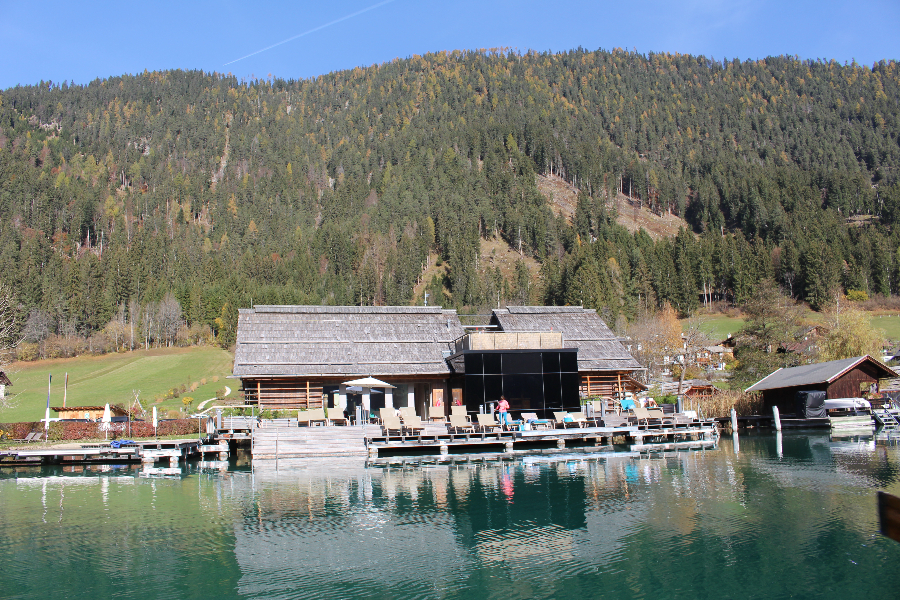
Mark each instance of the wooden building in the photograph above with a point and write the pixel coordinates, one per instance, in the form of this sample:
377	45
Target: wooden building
604	365
291	357
297	357
846	378
90	413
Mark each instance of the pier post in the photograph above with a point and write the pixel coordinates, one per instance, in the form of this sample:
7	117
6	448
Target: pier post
508	446
373	451
560	443
444	450
734	422
777	417
779	448
173	461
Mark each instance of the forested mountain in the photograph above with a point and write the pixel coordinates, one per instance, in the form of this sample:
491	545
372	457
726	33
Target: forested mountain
335	189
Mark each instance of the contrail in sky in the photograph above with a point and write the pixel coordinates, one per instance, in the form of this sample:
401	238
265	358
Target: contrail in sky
313	30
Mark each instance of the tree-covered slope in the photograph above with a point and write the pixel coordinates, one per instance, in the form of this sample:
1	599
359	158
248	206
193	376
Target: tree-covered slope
335	189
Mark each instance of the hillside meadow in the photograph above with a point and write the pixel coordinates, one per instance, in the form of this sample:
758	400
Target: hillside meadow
96	380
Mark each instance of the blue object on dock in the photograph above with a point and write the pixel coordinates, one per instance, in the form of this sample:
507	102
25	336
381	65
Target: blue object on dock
627	404
120	443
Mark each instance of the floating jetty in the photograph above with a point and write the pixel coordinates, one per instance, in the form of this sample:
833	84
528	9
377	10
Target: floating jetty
147	452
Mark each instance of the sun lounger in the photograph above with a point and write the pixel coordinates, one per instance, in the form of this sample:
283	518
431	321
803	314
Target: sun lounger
535	422
488	423
412	423
408	412
390	424
336	416
456	409
313	416
647	418
578	420
459	424
559	419
657	413
436	414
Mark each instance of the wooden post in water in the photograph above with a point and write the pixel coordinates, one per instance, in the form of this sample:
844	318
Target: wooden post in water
777	417
734	424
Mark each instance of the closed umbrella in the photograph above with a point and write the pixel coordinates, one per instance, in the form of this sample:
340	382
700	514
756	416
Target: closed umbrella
106	420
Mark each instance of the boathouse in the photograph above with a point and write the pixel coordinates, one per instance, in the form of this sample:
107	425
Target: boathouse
86	413
541	358
846	378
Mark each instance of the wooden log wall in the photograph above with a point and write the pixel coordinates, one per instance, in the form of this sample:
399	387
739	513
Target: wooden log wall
286	395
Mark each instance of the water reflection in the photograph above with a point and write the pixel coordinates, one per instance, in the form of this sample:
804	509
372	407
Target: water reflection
787	515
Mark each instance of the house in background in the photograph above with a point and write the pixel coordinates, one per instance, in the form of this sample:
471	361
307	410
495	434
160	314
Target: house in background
4	382
540	358
86	413
846	378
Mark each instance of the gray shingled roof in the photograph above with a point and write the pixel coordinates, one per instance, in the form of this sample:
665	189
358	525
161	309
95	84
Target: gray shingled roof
598	347
344	340
815	374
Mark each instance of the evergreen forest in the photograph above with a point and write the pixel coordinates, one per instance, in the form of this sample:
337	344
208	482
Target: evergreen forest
152	204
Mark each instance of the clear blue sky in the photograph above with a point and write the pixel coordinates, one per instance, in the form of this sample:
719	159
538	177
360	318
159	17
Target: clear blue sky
81	41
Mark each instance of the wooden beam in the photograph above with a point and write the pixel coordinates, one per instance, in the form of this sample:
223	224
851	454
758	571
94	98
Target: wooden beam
889	515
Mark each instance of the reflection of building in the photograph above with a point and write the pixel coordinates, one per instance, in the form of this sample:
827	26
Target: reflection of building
541	358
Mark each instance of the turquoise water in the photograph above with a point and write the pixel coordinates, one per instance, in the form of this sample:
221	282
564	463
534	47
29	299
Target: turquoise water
791	521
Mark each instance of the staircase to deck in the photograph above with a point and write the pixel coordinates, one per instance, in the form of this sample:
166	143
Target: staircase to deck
303	442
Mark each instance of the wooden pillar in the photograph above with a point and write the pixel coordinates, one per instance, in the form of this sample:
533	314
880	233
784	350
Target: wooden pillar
258	398
342	397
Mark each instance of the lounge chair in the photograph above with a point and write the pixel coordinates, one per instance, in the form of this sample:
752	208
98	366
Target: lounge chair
488	423
578	420
390	412
646	418
459	424
336	415
412	423
535	422
391	423
408	411
657	413
559	419
313	416
460	411
436	414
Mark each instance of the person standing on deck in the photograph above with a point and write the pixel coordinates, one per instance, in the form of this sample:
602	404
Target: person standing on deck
503	408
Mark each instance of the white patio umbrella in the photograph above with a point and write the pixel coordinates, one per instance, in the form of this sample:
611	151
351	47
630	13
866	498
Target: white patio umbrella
106	420
369	382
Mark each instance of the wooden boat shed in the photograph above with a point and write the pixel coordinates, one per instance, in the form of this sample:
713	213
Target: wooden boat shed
837	378
297	357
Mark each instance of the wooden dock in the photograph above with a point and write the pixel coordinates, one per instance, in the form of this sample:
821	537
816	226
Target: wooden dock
633	437
292	442
147	452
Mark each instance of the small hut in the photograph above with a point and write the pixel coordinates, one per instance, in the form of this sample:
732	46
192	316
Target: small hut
846	378
86	413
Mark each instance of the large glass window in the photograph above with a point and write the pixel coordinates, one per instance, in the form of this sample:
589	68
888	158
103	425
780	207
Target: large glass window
532	381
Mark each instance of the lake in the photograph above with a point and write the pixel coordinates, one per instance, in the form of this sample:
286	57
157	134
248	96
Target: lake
789	517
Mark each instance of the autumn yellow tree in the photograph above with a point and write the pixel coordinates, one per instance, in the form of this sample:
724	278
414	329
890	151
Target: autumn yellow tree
849	333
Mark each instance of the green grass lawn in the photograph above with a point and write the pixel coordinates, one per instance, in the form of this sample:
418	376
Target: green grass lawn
96	380
890	324
718	327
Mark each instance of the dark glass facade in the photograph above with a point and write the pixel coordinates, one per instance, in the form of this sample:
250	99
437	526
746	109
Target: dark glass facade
532	380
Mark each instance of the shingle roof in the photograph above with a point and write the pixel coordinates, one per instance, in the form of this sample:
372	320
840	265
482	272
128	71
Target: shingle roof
818	373
598	347
344	340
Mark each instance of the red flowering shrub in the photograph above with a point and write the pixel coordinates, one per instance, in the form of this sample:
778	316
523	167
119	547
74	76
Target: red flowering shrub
66	430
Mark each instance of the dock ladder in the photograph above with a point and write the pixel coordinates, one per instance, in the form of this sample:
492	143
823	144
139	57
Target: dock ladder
886	418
